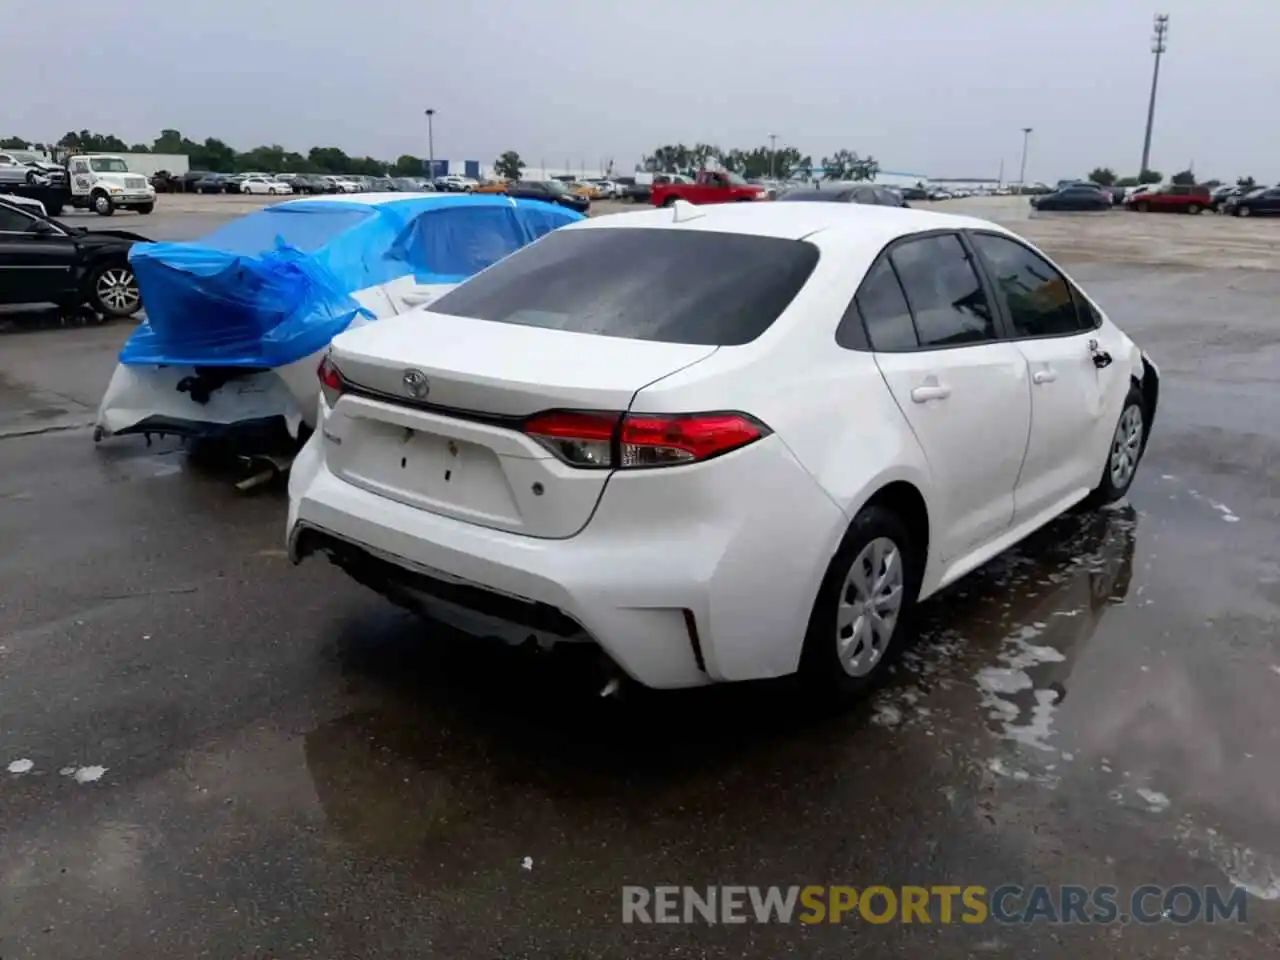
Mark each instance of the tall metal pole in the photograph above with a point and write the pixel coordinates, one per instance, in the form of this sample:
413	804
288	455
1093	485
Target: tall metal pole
1159	38
773	153
1022	172
431	143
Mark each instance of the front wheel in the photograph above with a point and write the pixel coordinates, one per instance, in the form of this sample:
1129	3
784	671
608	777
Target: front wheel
102	205
1143	208
862	611
1127	445
670	201
271	191
1193	209
113	290
1242	211
146	208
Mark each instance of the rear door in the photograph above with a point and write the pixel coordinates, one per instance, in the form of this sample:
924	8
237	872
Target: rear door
34	267
1053	326
963	389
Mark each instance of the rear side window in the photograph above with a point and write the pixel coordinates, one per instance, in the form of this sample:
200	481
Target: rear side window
943	291
882	309
1039	298
673	286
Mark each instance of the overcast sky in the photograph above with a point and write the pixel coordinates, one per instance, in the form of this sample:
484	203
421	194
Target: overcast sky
927	86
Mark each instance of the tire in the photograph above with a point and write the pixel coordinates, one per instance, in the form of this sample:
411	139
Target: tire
670	201
1193	209
101	204
271	191
1242	211
1143	207
1125	447
146	208
32	178
836	660
104	291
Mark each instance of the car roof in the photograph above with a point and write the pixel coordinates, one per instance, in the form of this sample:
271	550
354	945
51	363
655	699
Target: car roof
792	221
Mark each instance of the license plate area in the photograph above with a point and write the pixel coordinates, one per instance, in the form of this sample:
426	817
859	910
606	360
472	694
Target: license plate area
427	470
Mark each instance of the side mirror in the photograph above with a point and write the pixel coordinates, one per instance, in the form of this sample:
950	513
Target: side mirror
41	228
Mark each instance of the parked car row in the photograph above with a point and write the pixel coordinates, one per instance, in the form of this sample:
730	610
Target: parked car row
1246	201
198	181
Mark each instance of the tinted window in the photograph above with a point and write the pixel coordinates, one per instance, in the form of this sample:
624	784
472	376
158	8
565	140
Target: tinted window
945	295
810	195
864	195
1038	296
13	221
884	311
674	286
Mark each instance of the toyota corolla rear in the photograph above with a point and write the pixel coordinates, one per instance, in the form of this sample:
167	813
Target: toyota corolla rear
507	462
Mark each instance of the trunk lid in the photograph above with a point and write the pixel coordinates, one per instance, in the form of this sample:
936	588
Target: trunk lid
459	450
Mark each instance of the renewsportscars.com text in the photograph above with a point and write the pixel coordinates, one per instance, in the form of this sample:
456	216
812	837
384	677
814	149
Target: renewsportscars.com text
1010	904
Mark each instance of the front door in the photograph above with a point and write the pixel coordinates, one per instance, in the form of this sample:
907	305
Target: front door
963	390
1073	405
34	267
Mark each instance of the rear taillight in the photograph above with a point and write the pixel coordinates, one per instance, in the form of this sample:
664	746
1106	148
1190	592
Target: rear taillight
331	383
635	441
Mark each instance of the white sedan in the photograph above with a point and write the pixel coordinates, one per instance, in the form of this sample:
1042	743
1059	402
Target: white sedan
267	185
721	442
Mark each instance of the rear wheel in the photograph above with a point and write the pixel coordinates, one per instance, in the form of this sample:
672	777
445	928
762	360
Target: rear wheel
863	608
113	290
1242	211
1193	209
670	201
1143	208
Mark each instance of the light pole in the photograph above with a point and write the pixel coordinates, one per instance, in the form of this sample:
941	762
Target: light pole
431	143
1159	37
1022	172
773	153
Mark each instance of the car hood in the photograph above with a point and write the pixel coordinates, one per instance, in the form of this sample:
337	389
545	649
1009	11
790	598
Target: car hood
110	237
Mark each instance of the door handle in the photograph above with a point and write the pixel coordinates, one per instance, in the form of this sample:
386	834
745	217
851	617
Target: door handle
1044	376
1100	357
933	391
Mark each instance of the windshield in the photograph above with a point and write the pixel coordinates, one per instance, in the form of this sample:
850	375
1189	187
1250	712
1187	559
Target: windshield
736	179
305	228
24	157
556	186
108	165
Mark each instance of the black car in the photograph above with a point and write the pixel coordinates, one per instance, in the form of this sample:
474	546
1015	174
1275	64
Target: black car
552	191
1259	202
211	183
914	193
863	193
45	261
1075	196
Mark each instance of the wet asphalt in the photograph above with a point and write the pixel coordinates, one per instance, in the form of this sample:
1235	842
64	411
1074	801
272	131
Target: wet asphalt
207	752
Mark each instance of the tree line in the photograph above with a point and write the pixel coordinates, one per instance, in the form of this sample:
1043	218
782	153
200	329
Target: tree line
762	161
216	156
1106	177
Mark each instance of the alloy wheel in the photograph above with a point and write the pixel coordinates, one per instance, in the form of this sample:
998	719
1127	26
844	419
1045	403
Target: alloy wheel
870	602
117	289
1126	446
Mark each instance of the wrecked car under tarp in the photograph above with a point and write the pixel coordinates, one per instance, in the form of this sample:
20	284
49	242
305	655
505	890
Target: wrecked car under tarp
236	322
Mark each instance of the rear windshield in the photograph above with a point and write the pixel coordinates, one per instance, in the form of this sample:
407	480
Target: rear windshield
304	227
673	286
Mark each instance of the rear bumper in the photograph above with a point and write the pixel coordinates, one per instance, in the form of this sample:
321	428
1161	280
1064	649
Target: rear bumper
679	587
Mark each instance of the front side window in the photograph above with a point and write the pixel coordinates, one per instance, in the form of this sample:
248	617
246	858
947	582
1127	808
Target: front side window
943	291
1039	298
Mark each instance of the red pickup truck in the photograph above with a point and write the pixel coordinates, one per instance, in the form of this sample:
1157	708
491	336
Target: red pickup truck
711	186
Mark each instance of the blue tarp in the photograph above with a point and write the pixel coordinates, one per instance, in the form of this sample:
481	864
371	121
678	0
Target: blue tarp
275	286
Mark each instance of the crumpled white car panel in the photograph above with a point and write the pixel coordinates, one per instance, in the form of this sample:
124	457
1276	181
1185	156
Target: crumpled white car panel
137	393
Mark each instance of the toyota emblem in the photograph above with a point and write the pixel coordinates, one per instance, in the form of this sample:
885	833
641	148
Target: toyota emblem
415	381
